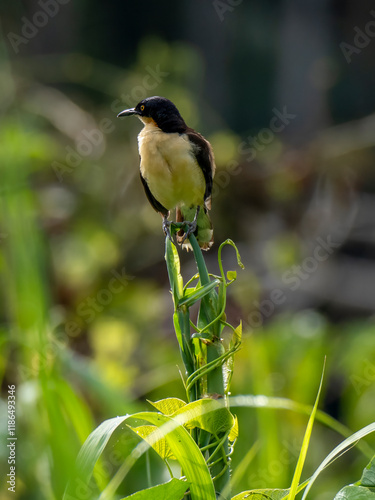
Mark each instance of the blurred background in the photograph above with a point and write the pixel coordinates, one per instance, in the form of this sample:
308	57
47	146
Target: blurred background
284	90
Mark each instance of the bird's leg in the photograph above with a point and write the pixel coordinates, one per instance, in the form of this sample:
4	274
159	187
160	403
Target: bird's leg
192	226
166	226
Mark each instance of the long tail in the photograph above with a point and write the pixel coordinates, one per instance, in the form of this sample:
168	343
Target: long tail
204	232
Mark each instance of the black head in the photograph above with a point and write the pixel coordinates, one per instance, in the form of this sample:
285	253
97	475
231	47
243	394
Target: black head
160	110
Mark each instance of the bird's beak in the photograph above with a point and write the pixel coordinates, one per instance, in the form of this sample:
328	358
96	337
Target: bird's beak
128	112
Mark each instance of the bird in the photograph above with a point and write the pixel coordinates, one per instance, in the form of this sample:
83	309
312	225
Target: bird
177	167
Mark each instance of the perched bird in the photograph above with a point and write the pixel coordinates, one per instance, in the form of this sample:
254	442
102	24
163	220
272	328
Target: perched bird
177	168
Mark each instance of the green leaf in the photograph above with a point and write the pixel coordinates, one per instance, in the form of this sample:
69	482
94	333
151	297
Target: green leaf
305	445
186	452
172	490
207	414
355	493
362	490
233	435
238	334
177	328
192	295
174	272
168	406
266	494
231	275
178	439
368	476
89	454
156	440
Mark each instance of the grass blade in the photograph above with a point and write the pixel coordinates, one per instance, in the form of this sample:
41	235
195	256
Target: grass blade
339	450
90	453
305	445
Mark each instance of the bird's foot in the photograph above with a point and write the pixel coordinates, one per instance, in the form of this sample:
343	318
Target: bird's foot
166	227
191	228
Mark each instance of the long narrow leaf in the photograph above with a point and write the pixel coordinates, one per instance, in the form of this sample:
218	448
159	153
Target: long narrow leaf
305	445
90	453
192	296
339	450
275	403
174	271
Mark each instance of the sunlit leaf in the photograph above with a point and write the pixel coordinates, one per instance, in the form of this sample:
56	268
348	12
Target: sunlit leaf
305	445
207	414
178	439
186	452
158	443
238	334
231	275
233	435
168	406
172	490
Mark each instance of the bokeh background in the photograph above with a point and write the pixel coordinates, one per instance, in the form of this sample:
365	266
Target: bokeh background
284	90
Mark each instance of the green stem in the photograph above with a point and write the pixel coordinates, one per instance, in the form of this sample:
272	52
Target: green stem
211	309
202	269
215	352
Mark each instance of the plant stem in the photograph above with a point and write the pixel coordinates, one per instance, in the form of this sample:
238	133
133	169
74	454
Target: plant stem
215	349
210	312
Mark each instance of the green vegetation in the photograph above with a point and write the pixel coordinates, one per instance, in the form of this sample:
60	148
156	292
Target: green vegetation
87	330
200	434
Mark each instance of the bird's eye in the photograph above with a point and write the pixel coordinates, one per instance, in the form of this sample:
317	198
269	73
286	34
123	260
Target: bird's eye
142	107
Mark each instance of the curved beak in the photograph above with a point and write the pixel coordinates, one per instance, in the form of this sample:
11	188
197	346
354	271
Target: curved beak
128	112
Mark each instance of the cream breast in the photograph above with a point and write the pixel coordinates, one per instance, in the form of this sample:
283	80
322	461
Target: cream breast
170	168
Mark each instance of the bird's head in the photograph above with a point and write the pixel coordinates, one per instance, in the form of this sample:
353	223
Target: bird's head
158	111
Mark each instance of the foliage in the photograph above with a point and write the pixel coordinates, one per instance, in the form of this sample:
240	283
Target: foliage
82	348
194	433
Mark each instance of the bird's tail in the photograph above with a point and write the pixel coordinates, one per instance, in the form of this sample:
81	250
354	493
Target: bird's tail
204	232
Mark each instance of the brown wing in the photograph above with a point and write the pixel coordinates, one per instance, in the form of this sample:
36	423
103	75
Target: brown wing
205	159
154	202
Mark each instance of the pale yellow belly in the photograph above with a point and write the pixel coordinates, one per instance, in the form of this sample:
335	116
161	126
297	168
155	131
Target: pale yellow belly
171	171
